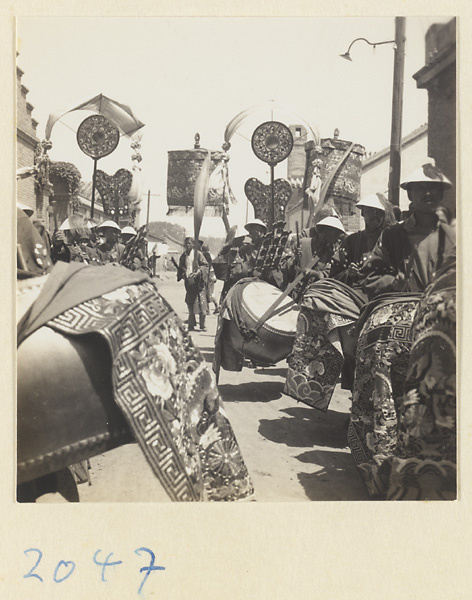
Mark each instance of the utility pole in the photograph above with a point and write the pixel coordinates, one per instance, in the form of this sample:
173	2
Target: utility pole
397	111
148	204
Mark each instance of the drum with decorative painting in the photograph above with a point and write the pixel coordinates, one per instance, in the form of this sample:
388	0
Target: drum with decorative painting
270	341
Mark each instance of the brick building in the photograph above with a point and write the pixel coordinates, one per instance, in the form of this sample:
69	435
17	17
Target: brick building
27	141
438	77
296	167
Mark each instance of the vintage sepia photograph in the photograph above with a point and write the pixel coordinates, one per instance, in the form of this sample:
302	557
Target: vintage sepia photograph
236	259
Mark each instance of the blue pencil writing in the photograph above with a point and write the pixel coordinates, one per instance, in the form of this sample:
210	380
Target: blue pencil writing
148	569
67	564
30	573
105	564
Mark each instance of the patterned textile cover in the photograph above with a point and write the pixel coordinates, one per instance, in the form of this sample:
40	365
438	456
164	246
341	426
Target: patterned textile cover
382	357
316	359
166	392
183	169
346	183
424	464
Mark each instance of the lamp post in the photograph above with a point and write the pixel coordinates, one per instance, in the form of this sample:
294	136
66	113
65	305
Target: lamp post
397	105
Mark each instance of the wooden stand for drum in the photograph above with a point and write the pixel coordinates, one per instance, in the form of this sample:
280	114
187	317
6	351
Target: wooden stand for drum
275	336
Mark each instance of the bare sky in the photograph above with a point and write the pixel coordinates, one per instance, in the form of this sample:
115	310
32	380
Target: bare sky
183	75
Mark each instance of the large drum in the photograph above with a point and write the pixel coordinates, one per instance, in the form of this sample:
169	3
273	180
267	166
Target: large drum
248	302
65	405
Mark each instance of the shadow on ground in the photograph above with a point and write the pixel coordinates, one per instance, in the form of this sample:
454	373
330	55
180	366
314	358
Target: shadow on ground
271	371
307	427
264	391
337	478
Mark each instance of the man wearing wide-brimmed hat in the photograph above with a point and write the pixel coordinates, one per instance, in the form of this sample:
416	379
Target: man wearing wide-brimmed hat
65	241
128	233
407	254
321	244
110	250
378	214
256	229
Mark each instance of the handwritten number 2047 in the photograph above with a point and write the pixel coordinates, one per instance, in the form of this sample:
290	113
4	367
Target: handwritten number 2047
65	568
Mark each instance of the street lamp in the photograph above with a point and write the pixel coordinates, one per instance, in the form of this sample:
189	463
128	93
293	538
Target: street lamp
347	55
397	105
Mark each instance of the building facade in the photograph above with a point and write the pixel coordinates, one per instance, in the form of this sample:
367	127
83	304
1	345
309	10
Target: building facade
438	77
27	141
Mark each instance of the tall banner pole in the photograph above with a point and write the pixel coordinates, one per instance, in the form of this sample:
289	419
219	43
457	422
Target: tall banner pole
199	201
148	204
97	137
272	142
93	187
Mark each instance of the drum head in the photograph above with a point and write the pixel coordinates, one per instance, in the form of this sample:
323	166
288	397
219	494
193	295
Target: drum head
258	296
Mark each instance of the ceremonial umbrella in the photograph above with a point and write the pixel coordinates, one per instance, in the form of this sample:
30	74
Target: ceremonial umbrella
119	114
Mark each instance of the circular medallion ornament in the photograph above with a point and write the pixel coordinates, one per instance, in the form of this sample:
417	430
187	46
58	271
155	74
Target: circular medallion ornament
97	137
272	142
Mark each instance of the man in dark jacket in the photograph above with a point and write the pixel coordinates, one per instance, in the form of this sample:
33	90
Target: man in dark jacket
408	254
110	250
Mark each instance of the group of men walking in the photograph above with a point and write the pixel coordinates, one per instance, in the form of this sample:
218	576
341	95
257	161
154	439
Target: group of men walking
95	244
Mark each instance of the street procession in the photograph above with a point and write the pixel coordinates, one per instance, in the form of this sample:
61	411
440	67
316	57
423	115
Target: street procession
267	313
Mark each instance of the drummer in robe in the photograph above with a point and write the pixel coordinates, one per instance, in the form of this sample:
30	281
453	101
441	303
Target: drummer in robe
329	310
193	269
241	253
232	259
243	262
315	255
377	213
257	231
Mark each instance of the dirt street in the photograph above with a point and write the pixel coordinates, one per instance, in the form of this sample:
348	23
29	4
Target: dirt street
293	452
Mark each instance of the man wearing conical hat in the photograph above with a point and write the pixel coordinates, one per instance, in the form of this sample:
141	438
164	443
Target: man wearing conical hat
111	250
377	213
321	244
408	253
128	233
